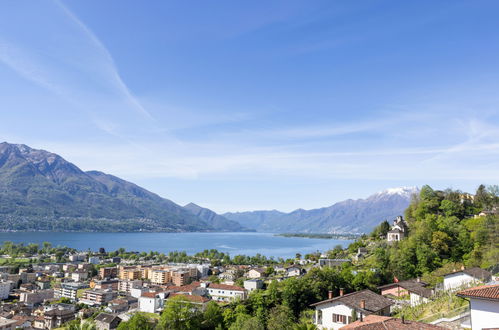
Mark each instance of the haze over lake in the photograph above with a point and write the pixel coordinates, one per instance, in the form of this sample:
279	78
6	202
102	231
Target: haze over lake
234	243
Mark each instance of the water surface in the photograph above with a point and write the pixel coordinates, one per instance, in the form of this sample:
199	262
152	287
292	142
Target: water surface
234	243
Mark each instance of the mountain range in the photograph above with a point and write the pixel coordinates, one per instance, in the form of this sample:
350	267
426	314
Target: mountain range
40	190
351	216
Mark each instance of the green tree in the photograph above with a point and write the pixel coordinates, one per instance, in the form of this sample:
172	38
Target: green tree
280	318
212	316
179	314
137	322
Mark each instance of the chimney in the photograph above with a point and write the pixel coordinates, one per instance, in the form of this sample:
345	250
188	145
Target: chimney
462	267
341	292
363	304
418	279
330	295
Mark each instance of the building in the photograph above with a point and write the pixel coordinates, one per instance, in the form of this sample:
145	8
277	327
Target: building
336	312
6	324
97	297
127	286
376	322
105	321
77	257
181	277
224	292
466	277
484	306
94	260
56	317
160	276
293	271
256	273
414	289
332	262
79	276
361	253
5	288
199	302
130	273
108	272
398	231
68	290
105	284
152	302
38	297
252	285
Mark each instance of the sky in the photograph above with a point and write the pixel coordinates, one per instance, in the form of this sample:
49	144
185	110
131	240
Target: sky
247	105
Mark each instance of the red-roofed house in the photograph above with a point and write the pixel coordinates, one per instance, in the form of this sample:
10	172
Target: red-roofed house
484	305
224	292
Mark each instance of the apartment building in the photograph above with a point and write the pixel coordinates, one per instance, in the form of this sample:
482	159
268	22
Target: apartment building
160	276
130	274
98	297
5	288
108	272
68	290
181	277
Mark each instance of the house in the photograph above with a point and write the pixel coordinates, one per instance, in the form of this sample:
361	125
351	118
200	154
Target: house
224	292
398	231
376	322
484	305
415	289
56	317
336	312
292	271
33	298
252	285
6	324
256	273
332	262
79	276
94	260
105	321
466	277
5	288
152	302
361	253
127	286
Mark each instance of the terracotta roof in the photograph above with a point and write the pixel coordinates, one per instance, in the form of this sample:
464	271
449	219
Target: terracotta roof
374	302
150	294
401	283
376	322
489	292
225	287
185	288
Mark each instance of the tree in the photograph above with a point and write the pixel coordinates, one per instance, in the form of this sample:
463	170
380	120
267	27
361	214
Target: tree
136	322
280	318
212	316
179	314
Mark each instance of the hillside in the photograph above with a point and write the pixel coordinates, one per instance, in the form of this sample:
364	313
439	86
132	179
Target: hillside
360	215
213	219
40	190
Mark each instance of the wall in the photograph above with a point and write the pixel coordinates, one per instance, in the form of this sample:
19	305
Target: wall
484	314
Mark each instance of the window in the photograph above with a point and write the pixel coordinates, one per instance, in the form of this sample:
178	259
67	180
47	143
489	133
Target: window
337	318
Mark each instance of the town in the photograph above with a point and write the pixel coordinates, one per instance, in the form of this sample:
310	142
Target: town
60	287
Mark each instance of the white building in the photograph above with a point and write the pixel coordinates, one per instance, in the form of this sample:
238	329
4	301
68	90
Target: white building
336	312
484	305
256	273
94	260
152	302
398	231
5	290
293	271
252	285
466	277
224	292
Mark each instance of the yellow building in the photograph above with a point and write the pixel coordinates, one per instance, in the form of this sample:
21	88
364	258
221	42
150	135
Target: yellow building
160	276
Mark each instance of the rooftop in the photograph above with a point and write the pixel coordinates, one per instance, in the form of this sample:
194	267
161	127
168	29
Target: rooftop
374	302
376	322
487	292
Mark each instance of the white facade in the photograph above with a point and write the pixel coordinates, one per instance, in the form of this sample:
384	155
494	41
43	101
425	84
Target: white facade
417	299
4	290
254	273
325	319
152	304
252	285
484	314
226	294
458	280
94	260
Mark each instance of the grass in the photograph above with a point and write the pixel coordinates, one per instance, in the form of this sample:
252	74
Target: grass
445	305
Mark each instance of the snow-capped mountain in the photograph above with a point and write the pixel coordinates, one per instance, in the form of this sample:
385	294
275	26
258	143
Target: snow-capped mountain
359	216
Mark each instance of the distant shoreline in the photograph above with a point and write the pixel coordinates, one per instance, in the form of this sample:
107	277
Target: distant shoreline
321	236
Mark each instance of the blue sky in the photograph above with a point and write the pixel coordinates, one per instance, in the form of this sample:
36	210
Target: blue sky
257	104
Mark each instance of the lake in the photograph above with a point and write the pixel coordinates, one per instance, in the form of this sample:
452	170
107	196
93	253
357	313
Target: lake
234	243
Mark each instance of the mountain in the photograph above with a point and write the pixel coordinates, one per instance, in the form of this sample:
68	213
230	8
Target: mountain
40	190
357	216
213	219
